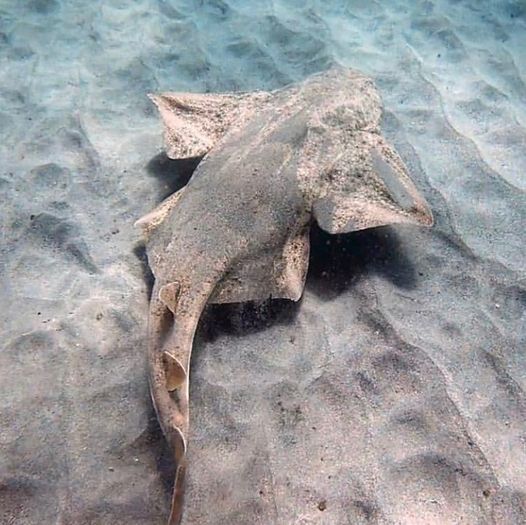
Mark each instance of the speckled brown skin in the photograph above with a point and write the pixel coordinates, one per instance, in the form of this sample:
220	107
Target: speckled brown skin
239	230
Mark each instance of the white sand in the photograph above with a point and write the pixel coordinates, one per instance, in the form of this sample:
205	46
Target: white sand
393	393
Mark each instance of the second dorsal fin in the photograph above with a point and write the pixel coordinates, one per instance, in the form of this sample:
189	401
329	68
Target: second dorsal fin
194	122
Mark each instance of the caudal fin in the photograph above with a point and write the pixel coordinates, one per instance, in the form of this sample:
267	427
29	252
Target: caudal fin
176	512
174	315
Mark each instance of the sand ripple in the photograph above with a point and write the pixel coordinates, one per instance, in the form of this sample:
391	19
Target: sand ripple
394	393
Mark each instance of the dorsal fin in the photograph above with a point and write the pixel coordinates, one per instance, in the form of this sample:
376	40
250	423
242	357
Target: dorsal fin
195	122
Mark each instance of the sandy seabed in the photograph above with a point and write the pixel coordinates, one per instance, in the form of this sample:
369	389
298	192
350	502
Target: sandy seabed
393	393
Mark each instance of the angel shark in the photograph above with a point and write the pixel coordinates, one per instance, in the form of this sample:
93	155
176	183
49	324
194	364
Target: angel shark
272	162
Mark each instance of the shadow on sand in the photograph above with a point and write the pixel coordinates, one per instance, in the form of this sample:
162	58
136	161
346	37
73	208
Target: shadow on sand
171	174
336	264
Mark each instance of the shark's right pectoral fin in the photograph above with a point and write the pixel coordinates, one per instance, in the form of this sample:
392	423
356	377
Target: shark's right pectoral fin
194	122
367	185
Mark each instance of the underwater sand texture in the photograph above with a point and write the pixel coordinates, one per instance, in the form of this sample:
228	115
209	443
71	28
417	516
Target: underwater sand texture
392	393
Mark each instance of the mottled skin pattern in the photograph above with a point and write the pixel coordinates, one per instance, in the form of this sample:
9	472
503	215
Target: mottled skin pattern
239	230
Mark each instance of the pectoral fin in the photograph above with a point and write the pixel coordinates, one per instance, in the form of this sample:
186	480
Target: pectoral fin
152	220
195	122
367	186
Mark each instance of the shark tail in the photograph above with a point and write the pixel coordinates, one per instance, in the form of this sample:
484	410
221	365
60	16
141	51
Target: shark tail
176	512
174	314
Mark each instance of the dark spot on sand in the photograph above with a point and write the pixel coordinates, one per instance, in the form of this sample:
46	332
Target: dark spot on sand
43	6
60	234
49	175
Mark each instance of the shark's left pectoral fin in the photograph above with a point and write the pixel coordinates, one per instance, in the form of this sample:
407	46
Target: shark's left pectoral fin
367	186
195	122
153	219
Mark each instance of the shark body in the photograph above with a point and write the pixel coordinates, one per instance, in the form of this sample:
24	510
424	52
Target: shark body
239	231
